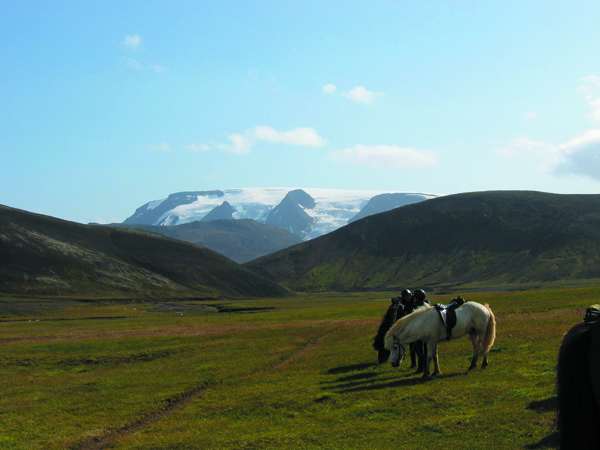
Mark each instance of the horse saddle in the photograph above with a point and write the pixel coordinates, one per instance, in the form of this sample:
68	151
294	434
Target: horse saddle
592	314
448	314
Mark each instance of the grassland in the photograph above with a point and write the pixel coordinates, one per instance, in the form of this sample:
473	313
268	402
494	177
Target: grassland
271	374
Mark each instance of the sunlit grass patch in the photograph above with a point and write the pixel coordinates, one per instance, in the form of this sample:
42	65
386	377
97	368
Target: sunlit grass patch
301	374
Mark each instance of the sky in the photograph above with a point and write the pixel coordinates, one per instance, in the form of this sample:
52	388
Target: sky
107	105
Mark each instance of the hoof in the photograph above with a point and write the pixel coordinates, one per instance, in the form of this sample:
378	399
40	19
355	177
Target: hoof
472	367
419	371
425	377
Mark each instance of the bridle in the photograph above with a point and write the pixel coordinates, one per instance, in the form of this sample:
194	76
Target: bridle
400	344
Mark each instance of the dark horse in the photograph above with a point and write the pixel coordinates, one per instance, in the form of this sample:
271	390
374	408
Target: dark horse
395	312
578	387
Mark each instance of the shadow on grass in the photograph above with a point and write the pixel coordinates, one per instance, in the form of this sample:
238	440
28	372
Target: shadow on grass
550	404
550	441
352	368
358	376
541	406
395	382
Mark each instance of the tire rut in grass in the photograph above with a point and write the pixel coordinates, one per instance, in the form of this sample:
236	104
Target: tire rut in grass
174	404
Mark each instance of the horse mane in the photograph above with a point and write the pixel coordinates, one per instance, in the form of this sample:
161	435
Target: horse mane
388	319
577	411
404	322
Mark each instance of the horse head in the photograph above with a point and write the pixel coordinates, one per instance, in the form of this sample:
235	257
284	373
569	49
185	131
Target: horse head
397	352
394	312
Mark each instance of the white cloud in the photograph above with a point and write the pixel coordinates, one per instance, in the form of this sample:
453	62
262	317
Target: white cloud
243	143
362	95
548	153
133	64
299	136
240	144
386	156
579	156
132	41
593	79
163	147
197	148
329	89
136	65
592	96
530	115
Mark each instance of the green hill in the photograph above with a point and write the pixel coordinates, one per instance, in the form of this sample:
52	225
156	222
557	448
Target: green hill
475	239
241	240
47	256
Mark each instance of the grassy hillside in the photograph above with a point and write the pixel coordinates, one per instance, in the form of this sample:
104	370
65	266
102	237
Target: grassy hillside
47	256
272	374
240	240
473	239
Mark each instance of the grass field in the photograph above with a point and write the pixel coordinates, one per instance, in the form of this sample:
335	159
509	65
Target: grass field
271	374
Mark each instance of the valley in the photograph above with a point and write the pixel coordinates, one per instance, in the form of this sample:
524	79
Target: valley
273	374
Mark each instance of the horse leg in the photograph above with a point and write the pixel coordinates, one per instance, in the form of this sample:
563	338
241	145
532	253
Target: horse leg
484	364
421	351
413	359
436	363
430	352
475	341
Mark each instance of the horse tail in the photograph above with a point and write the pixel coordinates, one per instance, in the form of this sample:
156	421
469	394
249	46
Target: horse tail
577	415
490	333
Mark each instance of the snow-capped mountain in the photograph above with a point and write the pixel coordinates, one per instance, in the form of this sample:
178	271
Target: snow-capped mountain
308	213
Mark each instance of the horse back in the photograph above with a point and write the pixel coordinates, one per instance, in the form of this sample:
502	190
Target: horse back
577	378
472	315
593	358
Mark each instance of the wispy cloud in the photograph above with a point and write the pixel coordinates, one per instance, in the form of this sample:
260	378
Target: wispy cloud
329	89
361	95
133	64
530	115
243	143
133	41
196	148
385	156
165	147
579	156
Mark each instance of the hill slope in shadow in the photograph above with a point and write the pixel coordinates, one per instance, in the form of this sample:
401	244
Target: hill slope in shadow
478	239
41	255
241	240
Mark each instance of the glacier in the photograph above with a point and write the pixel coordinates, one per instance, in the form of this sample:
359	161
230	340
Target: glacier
333	208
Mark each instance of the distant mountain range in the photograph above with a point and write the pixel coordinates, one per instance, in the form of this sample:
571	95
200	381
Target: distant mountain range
473	239
41	255
307	213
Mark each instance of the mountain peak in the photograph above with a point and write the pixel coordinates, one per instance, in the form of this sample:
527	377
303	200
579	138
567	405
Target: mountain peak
314	212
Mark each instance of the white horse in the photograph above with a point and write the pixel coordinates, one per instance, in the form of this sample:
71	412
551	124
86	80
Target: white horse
424	324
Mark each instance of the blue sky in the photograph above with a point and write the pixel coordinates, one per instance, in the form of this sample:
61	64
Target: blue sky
106	105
